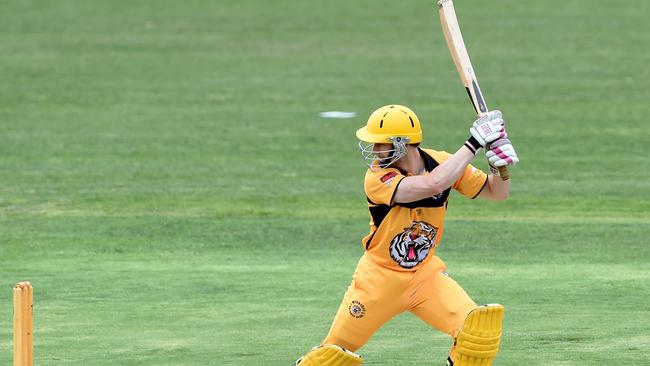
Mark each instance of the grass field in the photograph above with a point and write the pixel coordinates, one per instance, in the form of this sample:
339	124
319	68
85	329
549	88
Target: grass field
168	187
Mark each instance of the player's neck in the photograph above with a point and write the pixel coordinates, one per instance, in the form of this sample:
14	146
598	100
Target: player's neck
412	163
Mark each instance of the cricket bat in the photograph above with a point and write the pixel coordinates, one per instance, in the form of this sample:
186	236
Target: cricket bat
459	54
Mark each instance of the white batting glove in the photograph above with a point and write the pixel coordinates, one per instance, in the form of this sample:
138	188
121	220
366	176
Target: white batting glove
488	128
501	153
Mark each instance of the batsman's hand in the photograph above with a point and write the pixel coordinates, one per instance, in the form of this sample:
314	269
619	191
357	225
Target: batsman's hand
489	127
501	153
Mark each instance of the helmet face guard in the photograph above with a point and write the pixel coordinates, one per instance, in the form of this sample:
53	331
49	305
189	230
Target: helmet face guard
374	161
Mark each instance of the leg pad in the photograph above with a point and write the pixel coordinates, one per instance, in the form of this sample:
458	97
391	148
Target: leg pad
329	355
478	341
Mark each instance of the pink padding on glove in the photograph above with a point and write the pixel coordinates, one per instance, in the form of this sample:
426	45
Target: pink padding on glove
501	153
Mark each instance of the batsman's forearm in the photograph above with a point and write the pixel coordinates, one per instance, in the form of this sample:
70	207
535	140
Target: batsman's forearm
445	174
419	187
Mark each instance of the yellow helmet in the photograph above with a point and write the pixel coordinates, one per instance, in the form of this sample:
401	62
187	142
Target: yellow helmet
389	122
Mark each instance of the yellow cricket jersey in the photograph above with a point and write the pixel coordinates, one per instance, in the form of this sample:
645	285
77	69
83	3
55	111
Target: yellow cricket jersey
403	236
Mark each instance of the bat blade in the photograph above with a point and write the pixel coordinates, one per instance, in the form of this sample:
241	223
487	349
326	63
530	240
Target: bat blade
456	45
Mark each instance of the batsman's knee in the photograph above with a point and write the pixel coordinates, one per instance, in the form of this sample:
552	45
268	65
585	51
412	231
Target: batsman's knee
329	355
478	340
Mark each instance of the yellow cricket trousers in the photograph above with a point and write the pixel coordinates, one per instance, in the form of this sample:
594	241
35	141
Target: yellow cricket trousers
377	294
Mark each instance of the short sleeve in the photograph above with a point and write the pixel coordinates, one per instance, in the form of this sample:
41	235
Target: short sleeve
380	185
471	183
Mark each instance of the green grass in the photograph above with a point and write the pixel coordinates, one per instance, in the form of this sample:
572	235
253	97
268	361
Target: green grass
168	187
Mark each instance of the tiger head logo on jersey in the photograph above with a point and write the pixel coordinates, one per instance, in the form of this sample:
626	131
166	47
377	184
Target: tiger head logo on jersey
412	246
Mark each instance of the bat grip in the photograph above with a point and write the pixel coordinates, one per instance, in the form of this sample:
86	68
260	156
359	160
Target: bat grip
504	173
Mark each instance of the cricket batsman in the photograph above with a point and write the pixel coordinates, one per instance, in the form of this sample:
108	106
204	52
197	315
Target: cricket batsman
407	189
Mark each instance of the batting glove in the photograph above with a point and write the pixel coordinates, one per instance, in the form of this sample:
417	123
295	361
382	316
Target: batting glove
501	153
488	128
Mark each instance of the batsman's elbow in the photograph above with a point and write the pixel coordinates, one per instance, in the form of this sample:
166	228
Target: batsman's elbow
495	189
493	196
501	196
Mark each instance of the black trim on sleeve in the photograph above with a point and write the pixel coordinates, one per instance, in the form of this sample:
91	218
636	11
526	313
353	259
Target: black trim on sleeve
370	202
481	190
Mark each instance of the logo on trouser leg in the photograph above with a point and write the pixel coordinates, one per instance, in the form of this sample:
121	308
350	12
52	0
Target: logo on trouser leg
357	309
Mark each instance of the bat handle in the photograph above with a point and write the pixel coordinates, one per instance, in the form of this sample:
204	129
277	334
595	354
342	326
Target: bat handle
504	173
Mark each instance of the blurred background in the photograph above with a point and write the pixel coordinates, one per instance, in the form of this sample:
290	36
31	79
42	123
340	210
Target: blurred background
168	186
